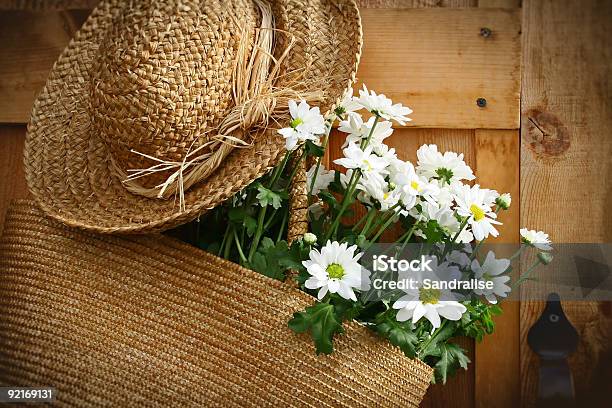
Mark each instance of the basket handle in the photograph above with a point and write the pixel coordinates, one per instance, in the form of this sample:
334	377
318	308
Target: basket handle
298	206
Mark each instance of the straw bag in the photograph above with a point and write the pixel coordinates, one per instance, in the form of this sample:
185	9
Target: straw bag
151	321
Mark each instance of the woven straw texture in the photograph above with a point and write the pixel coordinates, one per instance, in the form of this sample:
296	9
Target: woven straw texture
150	321
154	77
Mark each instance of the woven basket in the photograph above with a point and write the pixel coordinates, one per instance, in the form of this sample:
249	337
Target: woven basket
151	321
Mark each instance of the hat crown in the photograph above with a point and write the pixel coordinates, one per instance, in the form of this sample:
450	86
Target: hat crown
164	79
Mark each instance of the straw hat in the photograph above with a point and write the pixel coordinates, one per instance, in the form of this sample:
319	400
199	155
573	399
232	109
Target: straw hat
159	110
148	320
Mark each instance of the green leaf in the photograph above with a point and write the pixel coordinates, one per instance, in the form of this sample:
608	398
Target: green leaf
313	149
330	200
271	259
400	334
404	339
322	322
433	231
236	214
250	224
295	255
346	309
268	197
440	336
451	357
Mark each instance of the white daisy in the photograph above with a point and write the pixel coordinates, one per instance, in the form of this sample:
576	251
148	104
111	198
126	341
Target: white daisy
538	239
324	178
358	130
310	238
490	271
504	201
336	270
458	258
383	151
348	103
448	167
418	303
306	124
444	216
365	160
474	203
378	190
382	106
402	173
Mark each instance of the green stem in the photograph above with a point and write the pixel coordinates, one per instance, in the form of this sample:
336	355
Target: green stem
366	142
325	141
223	242
270	219
383	228
228	246
282	226
447	247
406	237
476	249
239	247
390	214
427	342
351	186
279	170
517	253
343	204
525	275
258	232
365	218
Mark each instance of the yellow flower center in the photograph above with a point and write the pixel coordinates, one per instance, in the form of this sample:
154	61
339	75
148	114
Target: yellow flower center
367	163
296	122
415	185
385	196
335	271
478	212
431	296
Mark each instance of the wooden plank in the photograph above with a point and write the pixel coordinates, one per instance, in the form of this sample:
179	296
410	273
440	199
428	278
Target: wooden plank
565	161
433	60
499	3
13	183
497	167
436	62
29	45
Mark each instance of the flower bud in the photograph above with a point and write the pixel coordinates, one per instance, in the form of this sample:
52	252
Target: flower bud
310	238
504	201
545	258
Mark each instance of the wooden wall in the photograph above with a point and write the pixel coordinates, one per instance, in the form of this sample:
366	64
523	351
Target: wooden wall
566	164
431	56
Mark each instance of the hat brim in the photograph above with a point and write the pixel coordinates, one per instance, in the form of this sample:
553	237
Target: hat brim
68	167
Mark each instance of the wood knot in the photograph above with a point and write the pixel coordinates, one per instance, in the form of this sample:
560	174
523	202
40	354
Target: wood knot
546	135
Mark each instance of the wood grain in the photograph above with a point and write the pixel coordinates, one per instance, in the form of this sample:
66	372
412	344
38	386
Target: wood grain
29	45
433	60
13	183
436	62
565	158
497	167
